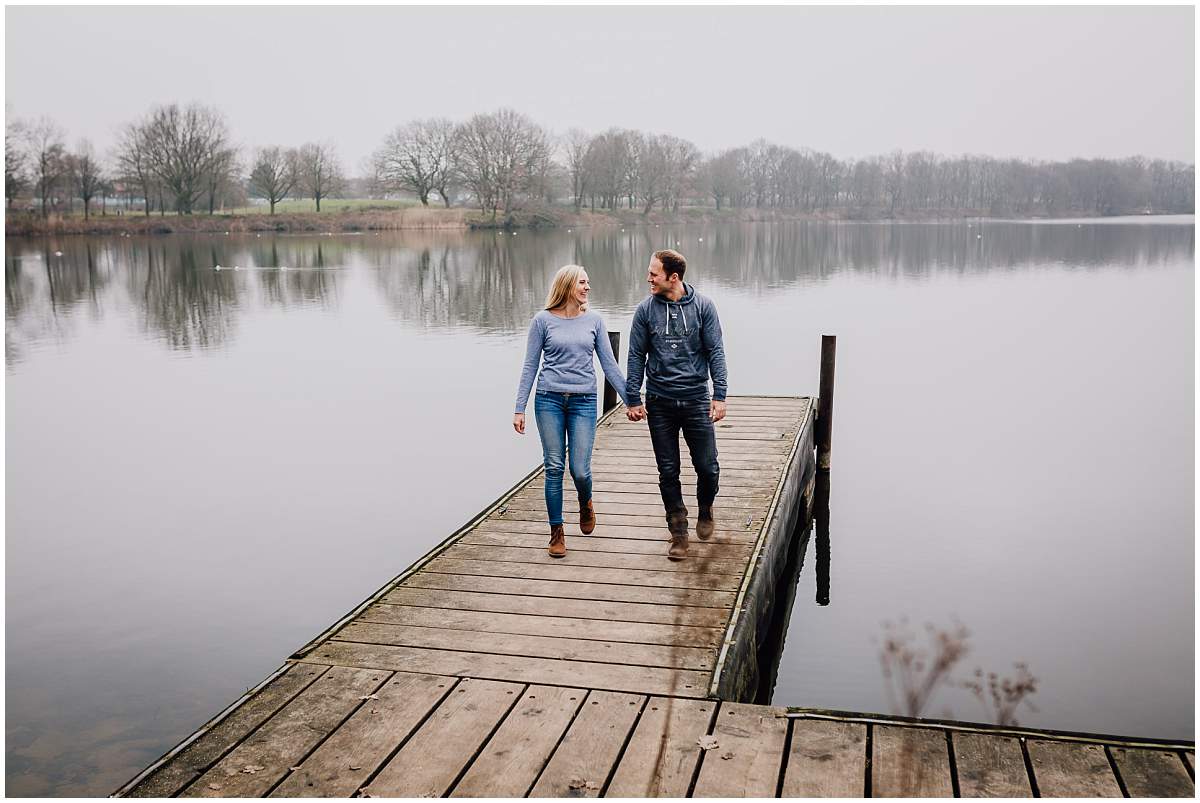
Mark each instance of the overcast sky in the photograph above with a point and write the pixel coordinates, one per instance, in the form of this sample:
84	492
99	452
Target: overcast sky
1048	83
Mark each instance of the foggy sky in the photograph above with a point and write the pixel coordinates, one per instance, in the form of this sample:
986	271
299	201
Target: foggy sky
1048	83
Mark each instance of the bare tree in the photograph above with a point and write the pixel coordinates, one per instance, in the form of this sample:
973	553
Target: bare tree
221	177
15	180
575	146
320	171
87	177
48	155
184	149
419	158
275	174
501	156
133	160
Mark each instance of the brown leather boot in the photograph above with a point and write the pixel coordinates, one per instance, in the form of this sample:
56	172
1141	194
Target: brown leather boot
677	524
558	542
705	524
587	518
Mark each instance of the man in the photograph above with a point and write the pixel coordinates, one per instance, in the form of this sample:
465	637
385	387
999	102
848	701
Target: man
675	339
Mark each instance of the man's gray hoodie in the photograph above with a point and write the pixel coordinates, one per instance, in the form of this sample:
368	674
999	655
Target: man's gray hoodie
677	345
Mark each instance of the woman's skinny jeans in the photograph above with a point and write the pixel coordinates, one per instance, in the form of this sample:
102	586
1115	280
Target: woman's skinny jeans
565	419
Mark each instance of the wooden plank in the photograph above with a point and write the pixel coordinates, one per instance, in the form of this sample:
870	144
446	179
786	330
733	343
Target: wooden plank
193	760
727	522
520	669
432	759
631	612
650	495
255	765
725	514
663	752
826	759
715	549
592	648
543	625
600	560
584	574
989	766
1153	773
1070	769
568	590
513	758
355	750
606	529
581	764
748	755
640	462
1190	758
536	498
909	762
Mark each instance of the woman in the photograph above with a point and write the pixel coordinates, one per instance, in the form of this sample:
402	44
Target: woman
564	336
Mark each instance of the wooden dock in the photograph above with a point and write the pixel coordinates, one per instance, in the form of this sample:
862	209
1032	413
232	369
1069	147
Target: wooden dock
490	669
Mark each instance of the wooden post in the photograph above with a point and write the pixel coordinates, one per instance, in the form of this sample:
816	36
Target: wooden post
610	393
825	403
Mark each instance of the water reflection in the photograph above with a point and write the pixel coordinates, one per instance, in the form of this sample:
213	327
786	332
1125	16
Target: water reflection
821	524
493	281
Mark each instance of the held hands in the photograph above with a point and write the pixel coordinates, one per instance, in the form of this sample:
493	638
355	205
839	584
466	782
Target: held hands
716	410
519	423
636	413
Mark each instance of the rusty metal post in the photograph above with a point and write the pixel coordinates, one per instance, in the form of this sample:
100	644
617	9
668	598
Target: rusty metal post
610	393
825	402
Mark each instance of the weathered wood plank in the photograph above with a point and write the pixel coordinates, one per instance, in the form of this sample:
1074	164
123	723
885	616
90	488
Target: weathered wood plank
346	759
720	550
989	766
543	625
536	525
639	679
1153	773
909	762
724	520
748	755
535	497
726	514
582	763
584	574
711	619
826	759
569	590
1190	758
513	758
592	648
663	752
600	560
432	759
255	765
1070	769
738	497
201	754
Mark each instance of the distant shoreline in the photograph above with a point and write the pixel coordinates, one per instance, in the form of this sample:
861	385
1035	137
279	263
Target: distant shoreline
463	219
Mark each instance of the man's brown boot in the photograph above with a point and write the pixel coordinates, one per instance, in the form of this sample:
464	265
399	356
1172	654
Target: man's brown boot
705	524
587	518
558	542
677	523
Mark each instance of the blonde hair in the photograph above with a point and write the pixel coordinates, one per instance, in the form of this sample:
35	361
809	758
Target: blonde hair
563	285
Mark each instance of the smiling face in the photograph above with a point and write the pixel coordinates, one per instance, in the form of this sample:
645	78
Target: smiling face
656	277
582	287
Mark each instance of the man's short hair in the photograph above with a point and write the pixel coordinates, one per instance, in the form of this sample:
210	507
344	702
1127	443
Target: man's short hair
672	262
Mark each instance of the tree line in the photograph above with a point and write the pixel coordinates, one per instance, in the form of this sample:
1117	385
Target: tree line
183	159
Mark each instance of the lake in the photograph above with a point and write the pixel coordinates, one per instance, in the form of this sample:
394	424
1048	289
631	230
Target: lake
207	468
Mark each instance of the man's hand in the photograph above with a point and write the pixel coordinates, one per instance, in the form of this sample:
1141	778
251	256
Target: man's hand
519	423
716	410
635	413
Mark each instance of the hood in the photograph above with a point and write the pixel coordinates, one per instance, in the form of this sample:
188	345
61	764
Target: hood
688	297
682	306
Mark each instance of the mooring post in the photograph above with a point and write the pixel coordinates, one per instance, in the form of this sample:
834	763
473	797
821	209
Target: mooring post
825	403
610	393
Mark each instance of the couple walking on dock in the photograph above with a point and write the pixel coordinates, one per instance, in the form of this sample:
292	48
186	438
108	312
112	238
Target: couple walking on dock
675	342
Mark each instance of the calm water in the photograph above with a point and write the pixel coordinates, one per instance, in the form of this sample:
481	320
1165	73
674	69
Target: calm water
205	469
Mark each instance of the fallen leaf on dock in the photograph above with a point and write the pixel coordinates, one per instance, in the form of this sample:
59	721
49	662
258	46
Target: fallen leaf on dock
294	769
369	697
727	755
707	742
214	786
356	766
250	769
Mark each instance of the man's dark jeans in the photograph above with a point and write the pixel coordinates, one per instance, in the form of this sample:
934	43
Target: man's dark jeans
666	417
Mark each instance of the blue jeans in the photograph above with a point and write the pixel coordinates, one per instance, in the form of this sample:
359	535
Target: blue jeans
564	418
666	417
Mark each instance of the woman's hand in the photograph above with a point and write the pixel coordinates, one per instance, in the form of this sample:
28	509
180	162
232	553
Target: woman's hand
519	423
